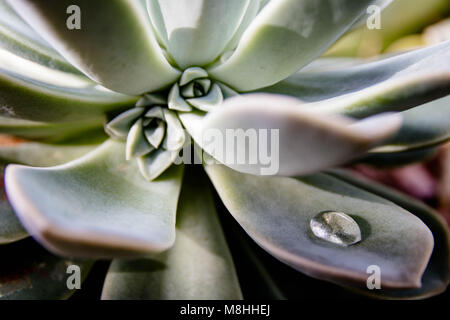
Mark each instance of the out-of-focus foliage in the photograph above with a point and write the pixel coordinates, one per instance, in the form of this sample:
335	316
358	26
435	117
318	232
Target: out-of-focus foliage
402	18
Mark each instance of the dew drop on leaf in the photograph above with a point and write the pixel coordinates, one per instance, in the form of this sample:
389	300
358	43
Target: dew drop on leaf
336	227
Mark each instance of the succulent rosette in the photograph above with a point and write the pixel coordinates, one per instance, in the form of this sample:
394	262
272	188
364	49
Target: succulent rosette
97	116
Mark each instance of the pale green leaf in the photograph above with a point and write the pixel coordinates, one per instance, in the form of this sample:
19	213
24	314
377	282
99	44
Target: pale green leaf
270	134
423	126
120	126
89	130
250	14
11	229
115	45
195	32
285	36
32	154
437	274
176	101
175	136
18	37
154	164
206	103
198	266
98	206
364	87
137	144
155	135
32	91
276	213
42	154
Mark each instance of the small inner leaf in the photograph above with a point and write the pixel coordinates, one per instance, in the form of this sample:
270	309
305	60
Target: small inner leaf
175	136
208	102
176	102
155	112
137	144
155	135
205	84
120	126
187	91
154	164
191	74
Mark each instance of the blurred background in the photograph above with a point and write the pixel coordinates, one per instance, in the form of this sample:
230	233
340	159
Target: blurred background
405	25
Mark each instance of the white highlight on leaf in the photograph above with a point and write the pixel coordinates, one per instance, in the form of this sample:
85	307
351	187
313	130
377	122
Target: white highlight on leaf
193	7
18	66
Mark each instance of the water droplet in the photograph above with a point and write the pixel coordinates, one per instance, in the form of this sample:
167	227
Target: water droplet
336	227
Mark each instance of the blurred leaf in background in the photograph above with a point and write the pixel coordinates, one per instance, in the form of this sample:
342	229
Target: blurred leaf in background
402	24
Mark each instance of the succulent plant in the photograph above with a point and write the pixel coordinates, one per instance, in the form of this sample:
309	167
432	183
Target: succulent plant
98	117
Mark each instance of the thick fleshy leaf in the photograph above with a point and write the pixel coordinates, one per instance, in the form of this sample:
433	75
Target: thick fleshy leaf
267	278
120	126
175	136
437	274
10	227
155	163
51	131
29	272
252	10
176	101
98	205
285	36
270	134
195	32
17	36
156	134
40	154
192	74
198	266
137	144
360	89
115	48
208	102
227	92
155	113
276	213
32	91
150	99
32	154
423	126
